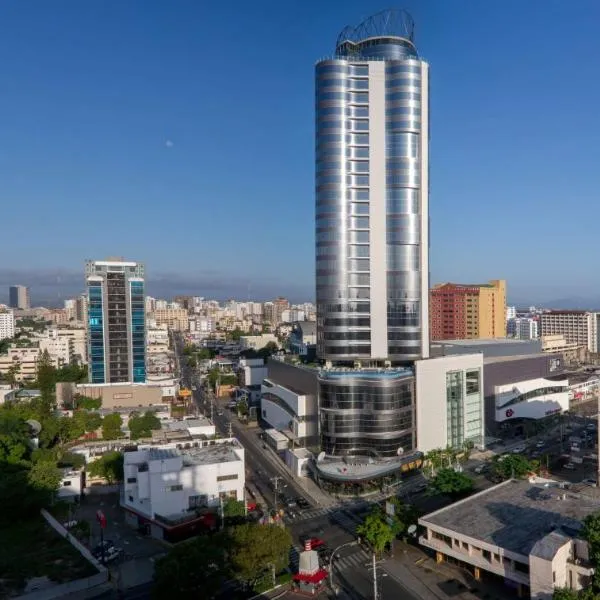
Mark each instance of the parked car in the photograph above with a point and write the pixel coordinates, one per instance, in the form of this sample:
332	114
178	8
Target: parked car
480	469
540	444
590	482
302	502
569	466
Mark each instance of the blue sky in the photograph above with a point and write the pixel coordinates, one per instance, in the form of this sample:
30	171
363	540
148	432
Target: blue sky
180	133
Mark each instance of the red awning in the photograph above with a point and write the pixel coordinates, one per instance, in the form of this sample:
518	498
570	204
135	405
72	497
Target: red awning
314	578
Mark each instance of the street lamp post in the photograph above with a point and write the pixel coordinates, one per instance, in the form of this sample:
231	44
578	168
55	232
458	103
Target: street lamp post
347	544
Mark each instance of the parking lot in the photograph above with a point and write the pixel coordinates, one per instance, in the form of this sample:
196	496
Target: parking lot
134	544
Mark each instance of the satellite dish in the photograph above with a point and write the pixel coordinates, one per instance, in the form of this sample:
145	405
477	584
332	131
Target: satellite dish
321	456
400	451
36	426
412	530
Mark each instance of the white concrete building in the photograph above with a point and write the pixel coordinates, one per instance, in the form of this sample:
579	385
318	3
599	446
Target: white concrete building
7	324
531	399
257	341
522	328
527	534
70	487
252	371
58	347
511	312
157	335
163	484
77	338
289	410
450	401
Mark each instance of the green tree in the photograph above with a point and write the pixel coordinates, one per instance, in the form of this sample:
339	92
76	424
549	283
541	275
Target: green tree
109	466
451	483
192	361
142	426
14	437
44	477
12	373
196	569
255	547
189	349
591	534
46	377
205	354
510	466
376	530
235	335
85	402
88	421
242	408
234	508
111	426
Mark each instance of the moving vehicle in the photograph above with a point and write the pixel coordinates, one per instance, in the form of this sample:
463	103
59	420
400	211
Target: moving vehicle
540	444
569	466
590	482
302	503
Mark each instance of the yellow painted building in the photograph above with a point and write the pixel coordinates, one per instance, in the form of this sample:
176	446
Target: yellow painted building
468	311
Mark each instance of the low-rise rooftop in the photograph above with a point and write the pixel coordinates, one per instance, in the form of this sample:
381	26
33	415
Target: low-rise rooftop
209	455
516	515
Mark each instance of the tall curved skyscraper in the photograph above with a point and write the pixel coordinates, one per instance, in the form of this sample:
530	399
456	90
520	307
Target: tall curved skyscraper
372	190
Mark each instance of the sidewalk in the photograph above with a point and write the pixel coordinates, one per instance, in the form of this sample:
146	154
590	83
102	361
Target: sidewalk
442	581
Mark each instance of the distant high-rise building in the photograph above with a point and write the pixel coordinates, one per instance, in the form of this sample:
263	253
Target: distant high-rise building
19	297
7	323
511	312
522	328
116	321
463	311
579	327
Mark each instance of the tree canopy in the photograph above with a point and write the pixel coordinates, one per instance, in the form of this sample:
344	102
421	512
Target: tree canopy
451	483
109	466
514	466
111	426
254	547
142	426
376	530
196	569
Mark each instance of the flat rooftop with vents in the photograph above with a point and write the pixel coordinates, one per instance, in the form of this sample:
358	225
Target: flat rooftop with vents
513	530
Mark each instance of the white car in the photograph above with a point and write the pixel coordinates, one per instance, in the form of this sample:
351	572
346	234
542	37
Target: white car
518	450
569	467
540	444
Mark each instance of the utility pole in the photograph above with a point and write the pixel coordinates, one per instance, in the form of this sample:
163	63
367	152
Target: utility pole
276	481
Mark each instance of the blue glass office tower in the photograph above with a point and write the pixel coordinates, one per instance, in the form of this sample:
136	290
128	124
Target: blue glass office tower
116	321
372	242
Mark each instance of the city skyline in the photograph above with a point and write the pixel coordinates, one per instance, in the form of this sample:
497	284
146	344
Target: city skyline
141	144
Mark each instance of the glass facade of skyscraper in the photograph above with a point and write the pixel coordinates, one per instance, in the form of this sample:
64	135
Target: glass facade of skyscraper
372	194
116	322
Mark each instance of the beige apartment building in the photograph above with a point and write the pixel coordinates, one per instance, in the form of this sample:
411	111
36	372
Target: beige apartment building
579	327
174	318
468	311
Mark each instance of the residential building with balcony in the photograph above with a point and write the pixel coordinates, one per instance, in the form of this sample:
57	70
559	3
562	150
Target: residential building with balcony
7	323
468	311
525	534
578	327
175	319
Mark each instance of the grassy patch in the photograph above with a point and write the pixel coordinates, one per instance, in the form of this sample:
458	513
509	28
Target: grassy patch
33	549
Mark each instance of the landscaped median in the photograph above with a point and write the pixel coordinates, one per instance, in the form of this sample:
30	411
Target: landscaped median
40	560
